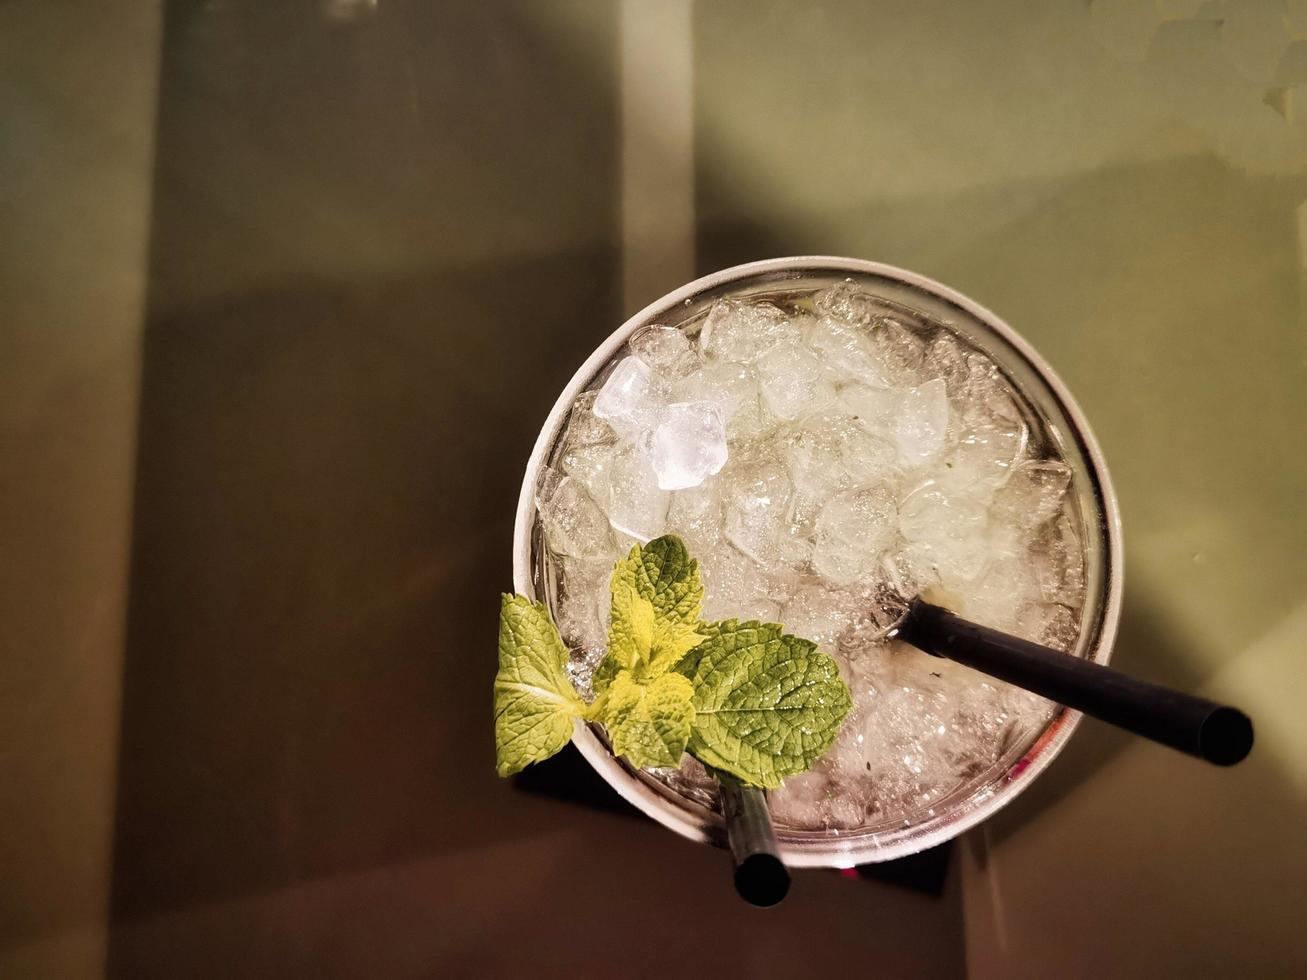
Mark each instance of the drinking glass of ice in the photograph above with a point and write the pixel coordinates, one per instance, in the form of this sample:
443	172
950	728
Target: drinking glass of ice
829	436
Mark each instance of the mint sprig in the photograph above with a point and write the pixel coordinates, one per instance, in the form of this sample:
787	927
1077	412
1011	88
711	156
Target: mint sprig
748	700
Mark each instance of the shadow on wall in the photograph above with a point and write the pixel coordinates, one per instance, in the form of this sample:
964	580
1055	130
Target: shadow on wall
329	453
323	518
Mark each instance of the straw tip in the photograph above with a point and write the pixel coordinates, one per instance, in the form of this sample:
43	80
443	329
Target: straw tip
762	880
1226	736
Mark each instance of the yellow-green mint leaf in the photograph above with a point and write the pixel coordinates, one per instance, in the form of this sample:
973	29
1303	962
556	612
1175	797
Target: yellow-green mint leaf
659	577
535	701
650	724
631	627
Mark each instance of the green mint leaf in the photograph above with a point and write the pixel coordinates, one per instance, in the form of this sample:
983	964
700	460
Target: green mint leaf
630	625
767	704
649	724
654	621
534	699
666	575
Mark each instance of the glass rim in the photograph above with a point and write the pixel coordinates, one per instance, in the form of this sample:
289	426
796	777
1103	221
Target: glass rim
701	825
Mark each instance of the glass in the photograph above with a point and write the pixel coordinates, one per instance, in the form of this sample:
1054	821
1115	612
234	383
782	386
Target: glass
1059	420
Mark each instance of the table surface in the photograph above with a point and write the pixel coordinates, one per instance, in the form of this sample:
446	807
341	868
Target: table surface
285	291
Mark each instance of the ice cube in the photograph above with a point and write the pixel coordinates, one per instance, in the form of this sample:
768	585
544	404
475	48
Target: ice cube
624	542
547	483
961	562
757	498
832	451
922	423
791	380
908	718
574	525
939	516
985	454
875	409
1049	623
946	360
667	350
945	578
871	670
636	504
845	809
812	445
915	563
988	398
997	597
898	350
979	729
733	388
903	726
946	531
741	331
791	549
812	455
802	801
846	303
627	401
689	444
1028	713
584	428
583	610
1033	494
589	465
852	621
853	531
819	614
734	587
1071	548
1007	540
844	351
696	515
752	423
866	458
1059	563
811	492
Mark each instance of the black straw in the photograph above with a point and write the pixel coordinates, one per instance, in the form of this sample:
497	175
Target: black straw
761	878
1218	733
